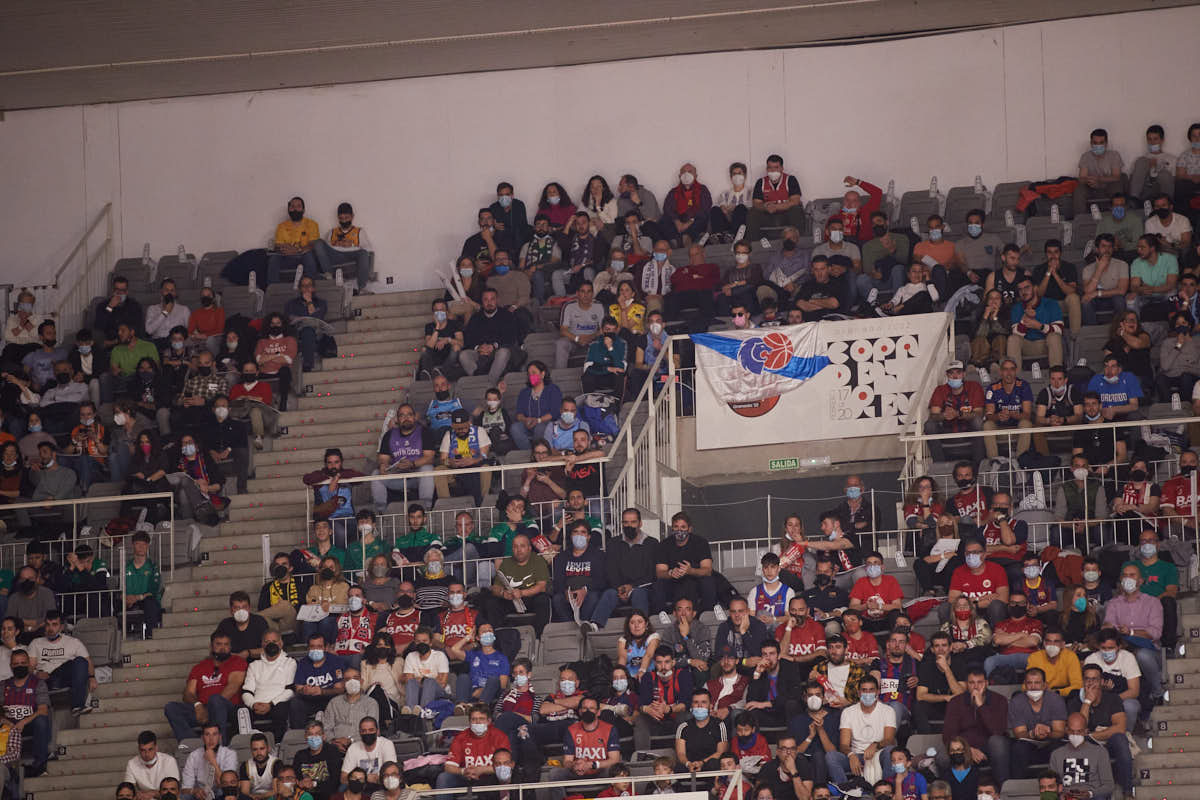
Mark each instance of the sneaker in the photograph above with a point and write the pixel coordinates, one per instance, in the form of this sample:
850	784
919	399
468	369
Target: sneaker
75	712
438	371
588	627
258	443
664	618
879	312
423	375
406	710
764	244
703	240
719	613
872	296
461	709
416	711
428	713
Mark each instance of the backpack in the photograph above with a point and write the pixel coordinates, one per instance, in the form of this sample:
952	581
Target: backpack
597	410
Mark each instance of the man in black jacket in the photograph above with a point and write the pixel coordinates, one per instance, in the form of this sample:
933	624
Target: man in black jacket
776	690
490	339
116	309
318	768
631	562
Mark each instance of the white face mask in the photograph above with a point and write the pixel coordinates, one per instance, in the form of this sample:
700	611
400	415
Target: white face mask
241	615
1034	695
1053	650
456	599
493	405
836	236
221	412
1129	585
742	258
1076	739
814	702
1080	473
353	686
739	180
391	782
656	328
119	418
687	178
479	728
774	175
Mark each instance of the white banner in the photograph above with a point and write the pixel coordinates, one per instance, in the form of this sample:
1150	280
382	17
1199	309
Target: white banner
817	380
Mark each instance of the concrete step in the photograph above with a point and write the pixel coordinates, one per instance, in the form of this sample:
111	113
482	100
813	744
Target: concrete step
362	434
215	584
175	671
300	462
250	501
205	620
195	639
387	398
398	343
397	363
97	754
214	601
250	569
1166	777
1176	791
339	383
315	418
1183	695
238	534
355	338
1184	666
413	297
373	320
134	716
290	514
135	689
1155	760
72	784
328	434
118	733
1177	712
266	487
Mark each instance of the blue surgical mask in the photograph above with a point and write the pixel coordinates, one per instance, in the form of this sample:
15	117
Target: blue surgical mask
315	742
1112	378
700	714
487	638
568	687
899	769
26	307
1118	212
868	698
1148	549
501	269
1098	149
660	257
315	655
503	772
505	200
35	428
974	560
620	685
85	349
954	383
1079	604
567	417
521	680
189	449
439	316
974	229
854	492
935	234
874	570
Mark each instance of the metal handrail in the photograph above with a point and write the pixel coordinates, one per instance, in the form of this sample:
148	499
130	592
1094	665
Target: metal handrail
735	776
107	209
1130	423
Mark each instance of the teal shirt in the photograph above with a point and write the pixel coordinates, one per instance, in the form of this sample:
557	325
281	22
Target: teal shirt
144	579
1154	274
1156	577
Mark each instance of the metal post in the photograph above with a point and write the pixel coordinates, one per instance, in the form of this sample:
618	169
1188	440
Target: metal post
770	522
266	555
124	586
172	505
673	397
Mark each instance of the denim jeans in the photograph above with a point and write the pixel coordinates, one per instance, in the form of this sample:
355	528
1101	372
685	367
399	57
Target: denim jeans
839	764
182	716
328	256
73	675
423	484
597	607
422	691
1015	660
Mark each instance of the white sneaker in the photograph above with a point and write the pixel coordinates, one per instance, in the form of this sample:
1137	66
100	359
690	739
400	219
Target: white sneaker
703	240
719	613
258	443
872	296
764	244
428	713
417	710
664	618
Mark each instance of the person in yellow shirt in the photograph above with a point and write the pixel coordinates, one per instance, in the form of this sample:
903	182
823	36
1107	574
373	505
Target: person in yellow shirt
347	243
1063	673
293	245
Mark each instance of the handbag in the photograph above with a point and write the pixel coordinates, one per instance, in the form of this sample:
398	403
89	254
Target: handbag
10	743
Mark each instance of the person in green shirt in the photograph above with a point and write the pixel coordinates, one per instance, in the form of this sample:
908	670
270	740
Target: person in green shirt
143	584
124	358
419	538
885	256
1159	579
286	785
574	508
370	542
1122	225
322	547
522	576
516	520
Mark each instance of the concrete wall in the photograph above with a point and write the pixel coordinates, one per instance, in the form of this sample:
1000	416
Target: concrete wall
417	157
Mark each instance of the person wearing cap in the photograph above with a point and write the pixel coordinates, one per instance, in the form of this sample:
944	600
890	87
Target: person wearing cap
956	407
347	242
293	243
463	446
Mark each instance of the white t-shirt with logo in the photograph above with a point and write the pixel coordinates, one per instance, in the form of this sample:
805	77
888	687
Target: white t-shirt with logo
867	728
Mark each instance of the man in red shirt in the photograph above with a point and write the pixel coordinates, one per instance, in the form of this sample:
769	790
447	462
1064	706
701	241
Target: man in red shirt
1014	638
590	747
456	625
354	628
212	692
728	688
777	201
1179	495
956	406
692	286
876	596
251	388
861	647
972	501
982	581
915	646
855	215
472	752
401	624
801	639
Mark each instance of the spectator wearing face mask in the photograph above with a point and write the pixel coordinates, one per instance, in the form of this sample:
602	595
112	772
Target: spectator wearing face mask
279	598
347	243
729	211
845	257
275	353
256	397
776	200
580	581
201	386
739	284
344	712
1081	761
686	208
354	628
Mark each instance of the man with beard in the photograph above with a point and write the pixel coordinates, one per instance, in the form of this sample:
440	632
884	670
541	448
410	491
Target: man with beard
405	448
293	244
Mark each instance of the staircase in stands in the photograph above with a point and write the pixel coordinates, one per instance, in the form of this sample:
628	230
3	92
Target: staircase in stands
350	395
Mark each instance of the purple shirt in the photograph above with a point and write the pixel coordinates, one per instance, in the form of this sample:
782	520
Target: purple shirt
1140	611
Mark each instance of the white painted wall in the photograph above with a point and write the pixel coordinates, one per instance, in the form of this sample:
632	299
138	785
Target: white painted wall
417	157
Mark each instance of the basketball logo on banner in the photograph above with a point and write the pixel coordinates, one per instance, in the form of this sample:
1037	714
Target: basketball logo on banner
824	380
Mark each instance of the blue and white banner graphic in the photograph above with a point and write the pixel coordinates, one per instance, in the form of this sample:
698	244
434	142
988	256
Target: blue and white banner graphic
817	380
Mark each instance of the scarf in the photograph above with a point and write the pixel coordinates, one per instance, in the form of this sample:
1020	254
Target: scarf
687	199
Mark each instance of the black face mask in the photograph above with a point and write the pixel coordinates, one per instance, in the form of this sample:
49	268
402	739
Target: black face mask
205	371
368	738
206	301
788	245
1017	612
168	796
229	791
958	759
1162	213
249	377
62	378
404	601
49	342
272	649
823	581
279	572
275	330
295	216
146	377
630	532
219	657
331	471
964	483
327	574
879	230
587	717
1186	469
355	786
1138	475
443	395
26	587
168	298
20	673
422	648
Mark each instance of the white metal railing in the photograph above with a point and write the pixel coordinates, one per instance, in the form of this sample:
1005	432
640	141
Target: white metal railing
78	280
98	538
690	783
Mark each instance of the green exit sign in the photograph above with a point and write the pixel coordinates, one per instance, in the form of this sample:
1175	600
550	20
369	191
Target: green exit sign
780	464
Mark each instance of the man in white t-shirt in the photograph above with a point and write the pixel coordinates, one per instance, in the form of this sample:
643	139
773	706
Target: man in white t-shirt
426	675
369	753
63	661
1175	229
147	769
1121	672
868	729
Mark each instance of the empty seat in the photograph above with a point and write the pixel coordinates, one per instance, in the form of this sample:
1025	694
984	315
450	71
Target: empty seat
962	199
919	205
